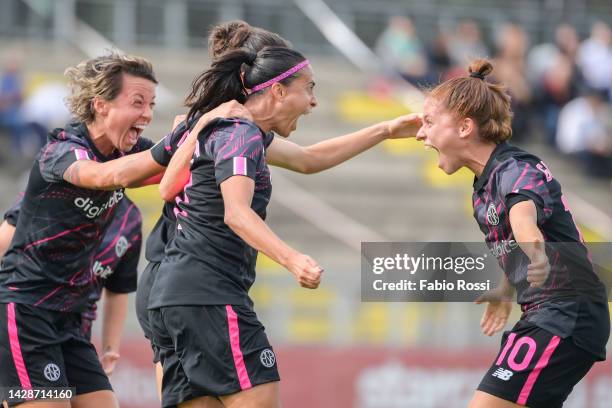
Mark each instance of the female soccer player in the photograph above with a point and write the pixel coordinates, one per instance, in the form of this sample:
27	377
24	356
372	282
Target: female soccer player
223	37
519	206
74	186
114	271
200	310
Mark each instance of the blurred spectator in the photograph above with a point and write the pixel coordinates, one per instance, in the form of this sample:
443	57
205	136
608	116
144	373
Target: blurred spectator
595	57
42	111
11	97
466	43
401	50
555	77
585	131
567	41
512	43
439	57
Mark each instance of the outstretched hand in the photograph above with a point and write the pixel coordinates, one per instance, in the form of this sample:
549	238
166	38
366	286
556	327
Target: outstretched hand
499	305
495	316
109	361
405	126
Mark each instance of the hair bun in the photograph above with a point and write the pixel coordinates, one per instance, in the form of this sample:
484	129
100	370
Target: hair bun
228	36
480	68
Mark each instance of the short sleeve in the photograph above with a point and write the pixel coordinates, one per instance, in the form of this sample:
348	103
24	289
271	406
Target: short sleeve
162	150
526	181
125	276
12	215
143	144
56	156
237	150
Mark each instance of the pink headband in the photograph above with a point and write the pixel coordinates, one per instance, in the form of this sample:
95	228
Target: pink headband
280	77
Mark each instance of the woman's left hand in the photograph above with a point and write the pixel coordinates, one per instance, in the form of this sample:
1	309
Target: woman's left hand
109	361
404	126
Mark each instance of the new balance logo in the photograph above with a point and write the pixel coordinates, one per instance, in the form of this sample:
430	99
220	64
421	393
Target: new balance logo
503	374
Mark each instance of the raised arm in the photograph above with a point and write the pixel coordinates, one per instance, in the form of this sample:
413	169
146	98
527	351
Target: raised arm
329	153
127	171
237	194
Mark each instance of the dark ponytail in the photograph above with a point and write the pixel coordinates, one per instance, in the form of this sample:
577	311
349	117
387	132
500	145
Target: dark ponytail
219	84
222	82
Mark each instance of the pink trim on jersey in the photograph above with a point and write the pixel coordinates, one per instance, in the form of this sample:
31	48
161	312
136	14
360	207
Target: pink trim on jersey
24	378
231	139
240	166
179	200
234	335
180	142
521	177
53	292
533	376
61	234
81	154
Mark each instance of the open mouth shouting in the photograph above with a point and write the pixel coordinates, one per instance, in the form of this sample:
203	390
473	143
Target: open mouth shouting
135	132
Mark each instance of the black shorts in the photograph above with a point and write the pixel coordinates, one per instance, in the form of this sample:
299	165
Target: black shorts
211	350
45	348
536	368
142	302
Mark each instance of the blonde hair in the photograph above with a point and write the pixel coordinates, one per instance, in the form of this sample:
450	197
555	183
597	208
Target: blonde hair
102	77
486	103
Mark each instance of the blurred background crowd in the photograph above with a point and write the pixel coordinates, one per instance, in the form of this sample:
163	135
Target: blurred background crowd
371	60
561	88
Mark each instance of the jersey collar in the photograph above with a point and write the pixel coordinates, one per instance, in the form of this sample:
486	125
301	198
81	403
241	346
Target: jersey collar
479	182
82	130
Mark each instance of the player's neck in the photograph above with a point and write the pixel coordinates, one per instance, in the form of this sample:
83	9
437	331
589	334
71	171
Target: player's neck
260	110
97	134
478	156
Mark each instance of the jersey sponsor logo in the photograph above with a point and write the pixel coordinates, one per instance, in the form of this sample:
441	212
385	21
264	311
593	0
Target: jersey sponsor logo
121	246
267	358
544	169
503	374
492	216
503	247
91	210
101	271
52	372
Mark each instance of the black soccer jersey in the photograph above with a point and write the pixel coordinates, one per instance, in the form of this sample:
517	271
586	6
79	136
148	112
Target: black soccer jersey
164	228
571	301
12	214
115	264
60	227
206	262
